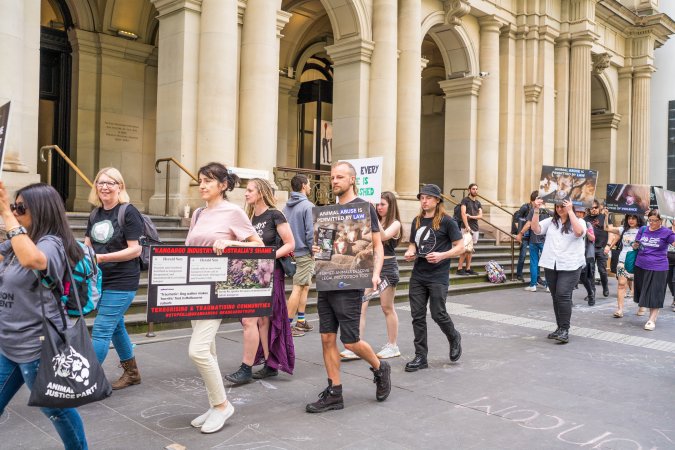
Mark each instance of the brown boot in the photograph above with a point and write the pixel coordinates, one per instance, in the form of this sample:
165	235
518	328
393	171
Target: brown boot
130	376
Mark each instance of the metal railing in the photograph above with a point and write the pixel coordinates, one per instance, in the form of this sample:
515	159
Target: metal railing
180	165
46	156
508	234
319	181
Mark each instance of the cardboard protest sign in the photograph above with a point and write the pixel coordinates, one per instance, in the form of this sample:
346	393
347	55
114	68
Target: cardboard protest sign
4	121
564	183
368	177
193	283
628	198
343	232
666	202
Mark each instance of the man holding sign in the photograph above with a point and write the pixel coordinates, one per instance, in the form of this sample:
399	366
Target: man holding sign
342	308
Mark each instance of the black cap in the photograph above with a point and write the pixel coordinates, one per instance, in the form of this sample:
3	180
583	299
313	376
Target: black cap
430	189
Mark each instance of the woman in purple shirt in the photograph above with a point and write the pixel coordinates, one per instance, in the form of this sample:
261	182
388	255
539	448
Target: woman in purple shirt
651	266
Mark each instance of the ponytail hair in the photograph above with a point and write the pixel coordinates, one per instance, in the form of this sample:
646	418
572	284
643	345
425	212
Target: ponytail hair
217	171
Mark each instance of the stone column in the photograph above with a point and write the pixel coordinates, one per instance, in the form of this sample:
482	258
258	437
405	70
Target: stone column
639	155
19	83
562	98
259	84
288	122
217	94
579	151
624	108
507	120
177	87
461	129
603	158
409	93
382	102
351	62
487	147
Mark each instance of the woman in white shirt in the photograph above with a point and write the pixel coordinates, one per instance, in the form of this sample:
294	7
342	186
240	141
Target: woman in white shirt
626	235
563	258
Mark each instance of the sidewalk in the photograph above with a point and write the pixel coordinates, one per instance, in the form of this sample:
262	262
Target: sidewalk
611	387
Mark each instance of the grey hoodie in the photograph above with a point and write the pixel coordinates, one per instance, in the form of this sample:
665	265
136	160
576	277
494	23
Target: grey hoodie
298	212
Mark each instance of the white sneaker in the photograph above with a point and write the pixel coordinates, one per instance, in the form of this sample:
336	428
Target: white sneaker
217	418
347	355
547	289
649	326
531	288
388	351
199	421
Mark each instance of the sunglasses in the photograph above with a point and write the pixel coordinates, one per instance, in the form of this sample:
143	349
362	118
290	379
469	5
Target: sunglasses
19	208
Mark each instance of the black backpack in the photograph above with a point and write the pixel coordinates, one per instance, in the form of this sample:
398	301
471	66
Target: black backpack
457	214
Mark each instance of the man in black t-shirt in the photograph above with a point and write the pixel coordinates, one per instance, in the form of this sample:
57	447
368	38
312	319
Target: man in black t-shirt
434	239
471	210
342	309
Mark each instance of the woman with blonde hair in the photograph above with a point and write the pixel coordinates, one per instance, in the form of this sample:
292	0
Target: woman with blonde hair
117	251
271	339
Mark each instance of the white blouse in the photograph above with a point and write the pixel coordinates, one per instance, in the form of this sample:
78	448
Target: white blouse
562	251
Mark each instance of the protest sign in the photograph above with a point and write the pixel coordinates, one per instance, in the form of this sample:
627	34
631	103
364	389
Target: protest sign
343	232
368	177
564	183
666	202
4	122
628	198
193	283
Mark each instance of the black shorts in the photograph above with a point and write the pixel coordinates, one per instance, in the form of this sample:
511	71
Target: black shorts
390	271
340	309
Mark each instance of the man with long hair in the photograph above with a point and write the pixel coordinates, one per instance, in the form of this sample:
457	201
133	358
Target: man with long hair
342	309
434	239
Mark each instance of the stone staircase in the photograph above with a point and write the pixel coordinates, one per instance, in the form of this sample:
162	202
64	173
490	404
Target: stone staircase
171	232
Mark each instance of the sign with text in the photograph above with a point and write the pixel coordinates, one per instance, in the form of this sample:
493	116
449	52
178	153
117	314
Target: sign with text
628	198
368	177
4	123
666	202
343	232
565	183
193	283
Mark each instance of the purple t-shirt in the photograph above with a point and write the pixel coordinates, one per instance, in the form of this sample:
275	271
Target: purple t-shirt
653	255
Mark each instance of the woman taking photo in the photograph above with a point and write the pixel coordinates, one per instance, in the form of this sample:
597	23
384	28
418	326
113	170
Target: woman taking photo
390	221
626	235
220	224
38	238
651	266
117	251
563	258
271	339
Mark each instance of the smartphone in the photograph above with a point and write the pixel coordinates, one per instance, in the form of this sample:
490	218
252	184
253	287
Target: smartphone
384	284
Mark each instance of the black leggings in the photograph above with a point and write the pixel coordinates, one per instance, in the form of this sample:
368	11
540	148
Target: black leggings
561	283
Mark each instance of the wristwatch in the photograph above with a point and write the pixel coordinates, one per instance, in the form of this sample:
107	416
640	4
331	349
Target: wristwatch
15	232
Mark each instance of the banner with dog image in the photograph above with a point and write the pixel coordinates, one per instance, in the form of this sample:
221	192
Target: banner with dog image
629	198
343	232
564	183
193	283
666	202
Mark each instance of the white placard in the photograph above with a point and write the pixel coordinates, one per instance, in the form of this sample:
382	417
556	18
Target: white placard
208	269
199	294
169	269
368	177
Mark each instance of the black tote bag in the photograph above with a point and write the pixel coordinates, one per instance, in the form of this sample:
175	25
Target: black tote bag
69	374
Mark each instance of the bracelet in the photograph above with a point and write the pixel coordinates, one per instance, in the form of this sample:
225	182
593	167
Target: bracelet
15	232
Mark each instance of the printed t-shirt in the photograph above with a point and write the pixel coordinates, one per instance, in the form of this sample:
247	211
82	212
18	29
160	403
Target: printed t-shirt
428	240
266	226
626	242
472	207
107	236
20	312
653	248
598	222
222	221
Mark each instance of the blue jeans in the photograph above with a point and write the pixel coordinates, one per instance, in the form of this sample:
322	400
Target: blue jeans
521	257
67	421
109	325
535	254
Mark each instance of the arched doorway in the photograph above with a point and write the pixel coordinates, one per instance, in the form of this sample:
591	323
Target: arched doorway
604	125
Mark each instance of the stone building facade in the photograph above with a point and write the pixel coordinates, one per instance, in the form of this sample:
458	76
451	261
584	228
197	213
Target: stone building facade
447	91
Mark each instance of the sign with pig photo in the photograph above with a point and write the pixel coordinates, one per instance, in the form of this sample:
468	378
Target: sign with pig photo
343	233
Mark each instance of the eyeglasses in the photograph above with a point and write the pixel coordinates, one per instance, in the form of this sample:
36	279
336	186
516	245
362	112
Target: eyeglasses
19	208
108	184
654	220
595	207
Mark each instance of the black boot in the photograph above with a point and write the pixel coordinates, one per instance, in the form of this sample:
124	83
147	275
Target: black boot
555	334
329	399
456	347
591	300
382	379
241	376
563	336
420	362
265	372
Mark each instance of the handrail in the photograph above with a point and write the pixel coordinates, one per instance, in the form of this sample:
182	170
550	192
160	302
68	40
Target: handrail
168	177
511	237
47	150
481	197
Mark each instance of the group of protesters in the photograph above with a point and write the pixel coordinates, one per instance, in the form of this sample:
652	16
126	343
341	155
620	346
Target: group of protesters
566	245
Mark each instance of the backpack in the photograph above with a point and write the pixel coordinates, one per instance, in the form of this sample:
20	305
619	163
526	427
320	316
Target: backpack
495	272
457	214
150	233
520	217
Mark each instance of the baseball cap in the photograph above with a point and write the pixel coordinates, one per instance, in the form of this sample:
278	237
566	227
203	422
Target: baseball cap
430	189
